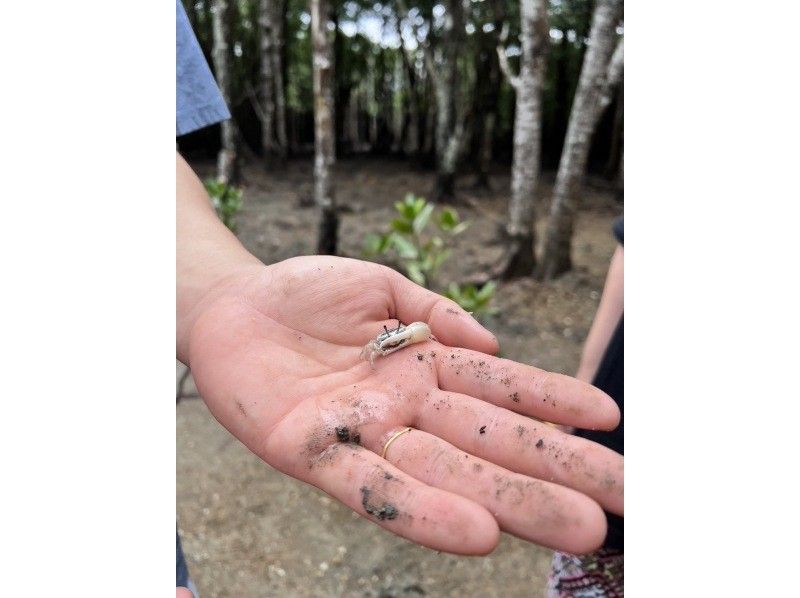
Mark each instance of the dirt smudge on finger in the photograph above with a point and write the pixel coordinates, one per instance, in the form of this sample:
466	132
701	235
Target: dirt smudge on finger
386	510
241	408
334	454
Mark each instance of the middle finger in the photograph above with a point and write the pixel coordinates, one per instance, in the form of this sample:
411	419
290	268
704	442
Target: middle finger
524	445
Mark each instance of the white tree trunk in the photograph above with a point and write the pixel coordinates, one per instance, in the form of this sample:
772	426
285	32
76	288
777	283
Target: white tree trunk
527	136
266	25
278	21
324	153
601	71
221	56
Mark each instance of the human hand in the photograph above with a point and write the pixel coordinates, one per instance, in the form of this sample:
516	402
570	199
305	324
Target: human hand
275	352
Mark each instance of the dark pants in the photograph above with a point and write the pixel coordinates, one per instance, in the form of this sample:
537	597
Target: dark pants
181	570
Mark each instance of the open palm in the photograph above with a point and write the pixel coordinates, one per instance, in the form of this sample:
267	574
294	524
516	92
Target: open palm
276	356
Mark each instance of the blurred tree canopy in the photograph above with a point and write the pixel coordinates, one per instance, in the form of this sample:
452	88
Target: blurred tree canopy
368	50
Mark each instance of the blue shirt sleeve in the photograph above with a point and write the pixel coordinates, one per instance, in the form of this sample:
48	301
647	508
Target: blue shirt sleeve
198	100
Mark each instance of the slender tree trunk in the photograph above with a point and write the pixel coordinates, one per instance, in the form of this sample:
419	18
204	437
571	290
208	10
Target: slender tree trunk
449	128
278	27
221	54
341	88
527	137
485	150
398	104
324	143
486	94
351	128
601	71
446	86
411	145
430	125
371	103
267	37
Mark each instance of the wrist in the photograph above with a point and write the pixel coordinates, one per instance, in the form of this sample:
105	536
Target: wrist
198	293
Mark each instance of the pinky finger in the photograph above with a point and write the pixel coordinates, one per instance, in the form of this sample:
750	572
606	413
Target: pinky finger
382	493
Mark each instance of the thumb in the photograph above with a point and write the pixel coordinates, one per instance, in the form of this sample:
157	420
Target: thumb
449	323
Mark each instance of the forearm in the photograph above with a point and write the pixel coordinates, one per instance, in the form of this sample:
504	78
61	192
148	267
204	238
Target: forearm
207	252
605	321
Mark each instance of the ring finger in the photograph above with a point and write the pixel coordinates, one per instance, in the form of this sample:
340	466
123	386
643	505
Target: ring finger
535	510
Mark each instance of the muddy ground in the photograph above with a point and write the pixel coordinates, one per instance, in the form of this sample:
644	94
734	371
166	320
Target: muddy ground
251	531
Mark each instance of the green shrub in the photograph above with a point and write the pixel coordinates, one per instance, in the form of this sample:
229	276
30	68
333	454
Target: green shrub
420	251
474	300
227	201
423	249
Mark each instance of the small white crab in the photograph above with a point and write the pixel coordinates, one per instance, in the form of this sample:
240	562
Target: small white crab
393	339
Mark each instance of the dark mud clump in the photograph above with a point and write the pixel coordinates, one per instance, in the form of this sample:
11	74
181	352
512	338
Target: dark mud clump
385	511
343	435
514	396
540	444
482	430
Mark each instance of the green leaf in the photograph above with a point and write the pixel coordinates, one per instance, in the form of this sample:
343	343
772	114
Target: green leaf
421	219
459	228
440	259
448	219
427	262
453	292
386	242
487	291
408	207
372	244
402	226
405	249
415	274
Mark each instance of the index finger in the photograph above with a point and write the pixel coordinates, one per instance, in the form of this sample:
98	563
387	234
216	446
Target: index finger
449	323
525	389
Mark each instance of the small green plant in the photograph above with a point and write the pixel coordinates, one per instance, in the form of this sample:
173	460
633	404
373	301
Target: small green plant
421	252
227	201
474	300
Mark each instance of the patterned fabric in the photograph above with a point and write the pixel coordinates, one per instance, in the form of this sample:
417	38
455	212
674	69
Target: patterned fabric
596	575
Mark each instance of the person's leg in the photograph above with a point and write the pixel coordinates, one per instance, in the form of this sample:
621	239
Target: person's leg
181	569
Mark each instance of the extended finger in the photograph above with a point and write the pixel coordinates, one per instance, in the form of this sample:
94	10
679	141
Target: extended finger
449	323
525	389
535	510
525	446
380	492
